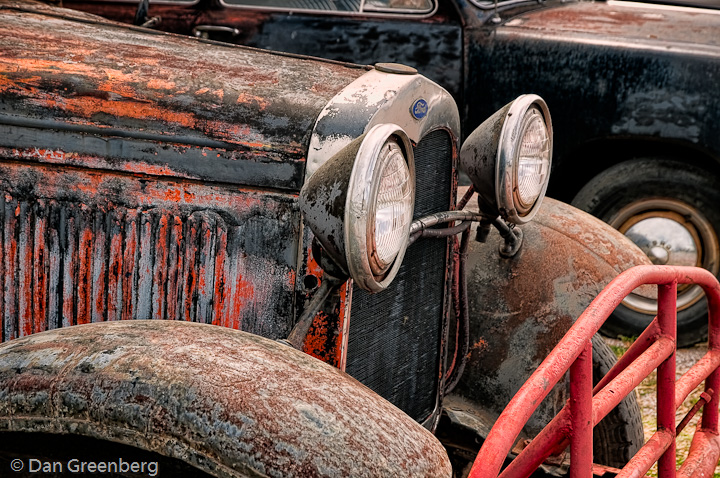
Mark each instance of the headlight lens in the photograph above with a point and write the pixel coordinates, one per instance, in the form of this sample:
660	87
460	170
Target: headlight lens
533	162
393	208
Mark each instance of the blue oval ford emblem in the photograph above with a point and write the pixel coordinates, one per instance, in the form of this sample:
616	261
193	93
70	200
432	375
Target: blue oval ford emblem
419	109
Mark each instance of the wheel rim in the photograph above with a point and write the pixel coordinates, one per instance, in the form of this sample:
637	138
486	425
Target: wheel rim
670	232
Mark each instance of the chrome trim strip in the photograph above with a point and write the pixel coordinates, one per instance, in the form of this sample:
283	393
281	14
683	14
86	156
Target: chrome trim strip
363	13
185	3
489	5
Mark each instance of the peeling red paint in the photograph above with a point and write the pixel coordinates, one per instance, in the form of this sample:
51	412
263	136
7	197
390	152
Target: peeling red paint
161	272
219	292
253	99
88	107
39	273
129	257
175	267
115	246
99	273
115	272
150	169
159	84
327	337
84	286
174	86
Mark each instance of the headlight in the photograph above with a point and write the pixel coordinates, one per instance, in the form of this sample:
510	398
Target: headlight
508	159
393	208
359	205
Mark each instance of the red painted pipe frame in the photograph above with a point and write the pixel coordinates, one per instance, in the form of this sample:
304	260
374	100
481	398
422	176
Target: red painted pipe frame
655	348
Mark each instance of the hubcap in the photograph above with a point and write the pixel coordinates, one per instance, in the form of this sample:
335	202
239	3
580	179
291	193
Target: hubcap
670	232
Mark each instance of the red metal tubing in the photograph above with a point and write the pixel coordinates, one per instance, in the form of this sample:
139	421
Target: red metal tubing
646	339
646	457
710	411
581	414
704	398
655	348
697	373
703	456
627	380
554	435
667	319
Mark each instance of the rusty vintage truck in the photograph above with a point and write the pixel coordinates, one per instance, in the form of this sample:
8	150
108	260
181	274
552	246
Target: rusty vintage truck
632	88
224	261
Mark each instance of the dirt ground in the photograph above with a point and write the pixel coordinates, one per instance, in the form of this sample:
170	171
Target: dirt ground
647	399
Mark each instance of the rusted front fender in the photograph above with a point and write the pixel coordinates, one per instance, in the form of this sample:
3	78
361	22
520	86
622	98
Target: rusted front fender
230	403
522	306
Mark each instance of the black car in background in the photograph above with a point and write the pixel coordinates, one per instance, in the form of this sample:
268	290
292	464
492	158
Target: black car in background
633	88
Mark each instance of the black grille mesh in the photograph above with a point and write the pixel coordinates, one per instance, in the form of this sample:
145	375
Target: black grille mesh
394	339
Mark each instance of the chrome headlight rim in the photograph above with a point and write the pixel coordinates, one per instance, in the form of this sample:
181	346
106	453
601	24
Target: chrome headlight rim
361	204
510	142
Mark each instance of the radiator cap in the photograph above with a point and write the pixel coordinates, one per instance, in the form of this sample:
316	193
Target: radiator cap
397	68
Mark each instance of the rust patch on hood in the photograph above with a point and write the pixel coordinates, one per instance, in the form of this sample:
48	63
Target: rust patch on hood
97	73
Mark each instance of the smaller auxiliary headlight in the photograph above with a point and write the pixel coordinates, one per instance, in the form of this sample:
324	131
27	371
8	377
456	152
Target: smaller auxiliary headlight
508	159
359	205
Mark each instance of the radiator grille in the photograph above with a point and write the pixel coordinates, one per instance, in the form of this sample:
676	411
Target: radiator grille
394	337
78	247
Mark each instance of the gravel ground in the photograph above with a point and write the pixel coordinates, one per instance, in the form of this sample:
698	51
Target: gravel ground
685	358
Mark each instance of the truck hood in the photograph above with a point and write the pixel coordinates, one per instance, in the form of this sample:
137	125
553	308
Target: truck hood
155	103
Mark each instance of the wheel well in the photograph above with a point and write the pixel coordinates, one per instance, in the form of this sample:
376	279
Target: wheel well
66	453
574	170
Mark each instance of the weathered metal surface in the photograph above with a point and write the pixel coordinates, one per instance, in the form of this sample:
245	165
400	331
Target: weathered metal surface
636	25
103	130
87	246
167	105
640	78
206	225
622	79
229	403
581	419
328	336
521	307
625	378
435	49
703	456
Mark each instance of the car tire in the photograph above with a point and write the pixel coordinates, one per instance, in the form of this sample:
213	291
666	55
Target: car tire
619	435
645	198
